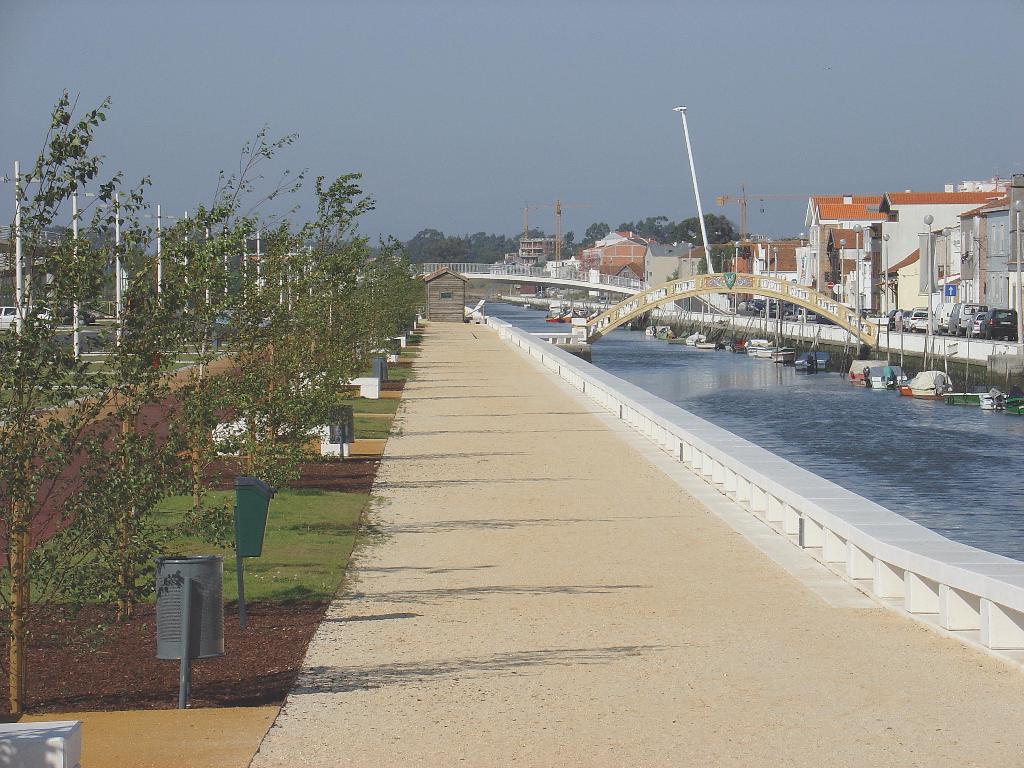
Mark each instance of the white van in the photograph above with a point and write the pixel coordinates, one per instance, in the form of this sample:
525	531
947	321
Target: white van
8	317
941	316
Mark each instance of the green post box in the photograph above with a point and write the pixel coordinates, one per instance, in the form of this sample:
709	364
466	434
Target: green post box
252	502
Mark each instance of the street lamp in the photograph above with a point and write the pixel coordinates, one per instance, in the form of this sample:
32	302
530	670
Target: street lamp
931	284
1020	290
696	192
159	246
856	252
885	289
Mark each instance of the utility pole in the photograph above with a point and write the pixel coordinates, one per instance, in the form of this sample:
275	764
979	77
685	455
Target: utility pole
931	285
19	258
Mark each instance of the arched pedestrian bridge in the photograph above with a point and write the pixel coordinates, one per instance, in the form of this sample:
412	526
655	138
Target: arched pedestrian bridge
732	283
591	280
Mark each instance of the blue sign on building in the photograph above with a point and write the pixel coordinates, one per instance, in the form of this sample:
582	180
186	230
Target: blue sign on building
950	290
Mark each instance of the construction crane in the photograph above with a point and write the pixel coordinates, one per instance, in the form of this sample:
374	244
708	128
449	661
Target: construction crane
558	205
743	199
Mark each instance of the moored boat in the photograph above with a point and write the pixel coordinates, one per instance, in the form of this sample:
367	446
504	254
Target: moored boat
694	339
858	368
706	345
927	385
993	400
812	362
784	355
963	398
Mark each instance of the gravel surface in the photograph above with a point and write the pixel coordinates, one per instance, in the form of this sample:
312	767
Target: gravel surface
533	592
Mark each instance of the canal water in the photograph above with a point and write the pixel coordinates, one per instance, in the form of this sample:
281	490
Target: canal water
957	470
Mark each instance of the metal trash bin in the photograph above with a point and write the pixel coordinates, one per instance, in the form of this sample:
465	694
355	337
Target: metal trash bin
341	425
252	503
206	606
380	368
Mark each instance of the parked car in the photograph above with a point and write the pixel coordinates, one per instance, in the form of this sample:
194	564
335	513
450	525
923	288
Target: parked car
961	317
917	322
996	324
8	317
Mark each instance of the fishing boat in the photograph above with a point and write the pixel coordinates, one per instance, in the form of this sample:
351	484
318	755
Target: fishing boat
760	348
694	339
858	369
927	385
706	345
993	400
1015	406
963	398
812	362
737	345
564	318
784	355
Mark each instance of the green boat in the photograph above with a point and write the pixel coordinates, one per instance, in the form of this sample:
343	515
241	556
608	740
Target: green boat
1015	405
963	398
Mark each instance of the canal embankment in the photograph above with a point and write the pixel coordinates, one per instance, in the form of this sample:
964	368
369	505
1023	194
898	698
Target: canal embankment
538	591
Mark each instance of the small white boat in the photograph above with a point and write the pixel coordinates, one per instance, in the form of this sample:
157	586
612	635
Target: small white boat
784	355
695	338
706	345
993	400
760	348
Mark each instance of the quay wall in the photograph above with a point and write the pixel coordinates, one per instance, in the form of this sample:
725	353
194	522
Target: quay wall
971	594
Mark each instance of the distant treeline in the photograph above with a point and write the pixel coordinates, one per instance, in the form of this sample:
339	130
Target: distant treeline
484	248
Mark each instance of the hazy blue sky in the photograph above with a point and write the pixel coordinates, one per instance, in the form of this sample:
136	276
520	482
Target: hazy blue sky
457	112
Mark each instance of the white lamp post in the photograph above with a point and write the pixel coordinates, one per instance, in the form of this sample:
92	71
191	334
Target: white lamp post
696	192
885	289
856	252
931	283
1020	289
19	258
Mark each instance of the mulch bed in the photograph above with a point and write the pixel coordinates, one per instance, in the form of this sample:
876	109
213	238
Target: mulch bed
120	669
74	666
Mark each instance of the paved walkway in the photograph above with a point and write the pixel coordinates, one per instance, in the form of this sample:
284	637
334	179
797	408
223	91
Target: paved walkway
535	592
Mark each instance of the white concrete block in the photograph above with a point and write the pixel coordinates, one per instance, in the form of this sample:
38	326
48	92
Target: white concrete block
833	548
369	387
958	610
730	483
1001	628
920	595
773	514
758	500
814	534
888	580
707	465
56	744
717	473
859	564
743	492
790	520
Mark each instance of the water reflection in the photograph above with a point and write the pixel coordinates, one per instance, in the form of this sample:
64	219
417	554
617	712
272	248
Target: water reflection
954	469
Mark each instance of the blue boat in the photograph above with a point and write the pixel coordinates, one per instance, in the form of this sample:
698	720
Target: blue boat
812	362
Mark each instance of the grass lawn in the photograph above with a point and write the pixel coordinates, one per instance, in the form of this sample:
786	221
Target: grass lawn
310	534
373	428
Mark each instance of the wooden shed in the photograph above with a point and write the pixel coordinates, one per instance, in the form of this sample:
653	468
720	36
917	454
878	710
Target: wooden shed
446	296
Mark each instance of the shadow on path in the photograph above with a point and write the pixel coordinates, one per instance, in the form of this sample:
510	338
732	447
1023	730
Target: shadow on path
344	679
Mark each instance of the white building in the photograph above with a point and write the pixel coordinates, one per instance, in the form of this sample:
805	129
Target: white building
825	213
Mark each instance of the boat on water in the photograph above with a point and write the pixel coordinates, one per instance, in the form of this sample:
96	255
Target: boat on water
860	368
963	398
565	318
706	345
784	356
737	345
993	400
812	362
927	385
760	348
694	339
886	377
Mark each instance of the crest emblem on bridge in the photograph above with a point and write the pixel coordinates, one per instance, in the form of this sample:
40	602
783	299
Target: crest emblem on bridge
730	279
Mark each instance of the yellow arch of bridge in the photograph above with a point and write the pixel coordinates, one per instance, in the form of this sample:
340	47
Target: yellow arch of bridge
729	283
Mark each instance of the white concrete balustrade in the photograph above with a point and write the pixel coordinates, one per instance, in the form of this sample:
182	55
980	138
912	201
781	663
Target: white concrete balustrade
955	586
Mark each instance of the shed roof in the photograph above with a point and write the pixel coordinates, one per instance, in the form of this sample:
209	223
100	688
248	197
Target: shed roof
443	271
938	198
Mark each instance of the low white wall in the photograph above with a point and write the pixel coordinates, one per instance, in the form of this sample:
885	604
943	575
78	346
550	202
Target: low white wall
958	586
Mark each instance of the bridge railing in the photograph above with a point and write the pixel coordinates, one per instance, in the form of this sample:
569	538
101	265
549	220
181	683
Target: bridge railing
592	277
976	595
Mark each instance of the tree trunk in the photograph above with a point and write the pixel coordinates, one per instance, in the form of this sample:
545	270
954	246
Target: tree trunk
126	575
17	674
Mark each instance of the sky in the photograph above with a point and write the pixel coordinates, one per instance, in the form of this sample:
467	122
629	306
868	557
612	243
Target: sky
457	112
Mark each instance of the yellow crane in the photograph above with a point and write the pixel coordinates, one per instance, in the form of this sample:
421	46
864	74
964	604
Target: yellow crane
558	205
743	200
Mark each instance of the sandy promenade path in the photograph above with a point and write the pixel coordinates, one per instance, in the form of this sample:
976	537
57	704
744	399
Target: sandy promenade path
536	593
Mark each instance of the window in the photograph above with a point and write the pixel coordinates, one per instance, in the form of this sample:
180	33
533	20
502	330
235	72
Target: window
446	294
